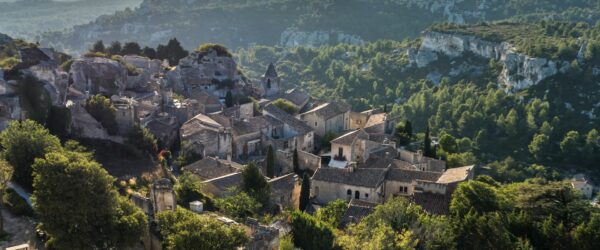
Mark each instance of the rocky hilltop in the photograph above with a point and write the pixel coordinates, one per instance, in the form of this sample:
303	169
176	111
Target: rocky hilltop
519	71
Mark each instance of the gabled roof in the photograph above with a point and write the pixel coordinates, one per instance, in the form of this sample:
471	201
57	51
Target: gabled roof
227	181
286	118
284	183
407	176
376	119
348	138
329	110
365	177
438	204
271	72
453	175
296	96
210	168
242	127
357	210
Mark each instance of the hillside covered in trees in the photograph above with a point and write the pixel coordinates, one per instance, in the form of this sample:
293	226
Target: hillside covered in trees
553	123
236	23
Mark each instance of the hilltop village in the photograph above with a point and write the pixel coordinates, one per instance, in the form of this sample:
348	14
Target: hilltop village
194	136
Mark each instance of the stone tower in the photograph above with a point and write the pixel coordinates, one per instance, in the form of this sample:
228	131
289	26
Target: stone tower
270	84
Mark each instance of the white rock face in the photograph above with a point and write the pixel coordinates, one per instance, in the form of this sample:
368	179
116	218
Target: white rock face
295	38
520	71
98	75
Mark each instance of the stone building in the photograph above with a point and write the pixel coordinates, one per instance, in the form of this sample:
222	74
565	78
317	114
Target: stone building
208	135
285	132
283	190
162	196
211	167
421	162
270	84
207	103
331	117
126	115
581	183
355	146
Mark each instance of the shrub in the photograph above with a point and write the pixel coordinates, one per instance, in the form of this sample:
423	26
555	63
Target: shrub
17	205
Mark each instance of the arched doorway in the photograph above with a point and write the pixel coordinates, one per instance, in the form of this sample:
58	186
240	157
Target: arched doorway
357	195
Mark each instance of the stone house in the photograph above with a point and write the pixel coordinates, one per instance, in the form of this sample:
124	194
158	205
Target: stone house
357	146
421	162
283	190
212	167
247	138
209	135
580	183
329	184
219	186
207	103
240	111
162	196
297	97
378	184
285	132
331	117
184	110
165	128
382	123
270	84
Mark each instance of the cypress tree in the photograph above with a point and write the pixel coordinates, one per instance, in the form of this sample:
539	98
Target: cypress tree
270	162
427	150
305	192
295	161
229	99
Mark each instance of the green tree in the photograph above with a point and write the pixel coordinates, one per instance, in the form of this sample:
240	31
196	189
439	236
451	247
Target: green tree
296	162
474	196
404	133
229	99
311	233
305	192
189	189
131	48
104	112
142	139
270	162
586	236
448	143
255	184
6	171
286	106
427	149
71	188
326	140
570	146
172	52
540	147
333	212
149	52
115	48
238	205
184	230
98	47
23	141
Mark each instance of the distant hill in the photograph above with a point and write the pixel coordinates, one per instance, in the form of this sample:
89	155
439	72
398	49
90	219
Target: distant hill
29	18
237	23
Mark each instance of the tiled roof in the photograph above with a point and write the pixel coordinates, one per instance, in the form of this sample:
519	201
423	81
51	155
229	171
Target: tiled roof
376	119
241	127
271	72
283	183
210	168
346	139
205	98
296	96
227	181
453	175
286	118
365	177
356	211
384	163
330	109
403	175
438	204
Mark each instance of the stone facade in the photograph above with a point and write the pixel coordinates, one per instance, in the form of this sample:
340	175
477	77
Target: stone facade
162	196
329	117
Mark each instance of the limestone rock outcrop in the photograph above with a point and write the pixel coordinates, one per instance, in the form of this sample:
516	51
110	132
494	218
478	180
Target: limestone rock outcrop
98	75
520	71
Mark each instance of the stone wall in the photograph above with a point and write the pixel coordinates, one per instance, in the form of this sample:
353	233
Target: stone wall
285	160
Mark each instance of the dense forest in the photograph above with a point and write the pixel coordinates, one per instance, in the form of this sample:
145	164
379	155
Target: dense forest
552	124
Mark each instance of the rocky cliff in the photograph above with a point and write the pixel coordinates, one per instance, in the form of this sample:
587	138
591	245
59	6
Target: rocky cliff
519	71
98	75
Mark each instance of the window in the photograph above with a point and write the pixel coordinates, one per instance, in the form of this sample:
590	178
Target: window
340	152
315	124
366	195
357	195
268	83
349	192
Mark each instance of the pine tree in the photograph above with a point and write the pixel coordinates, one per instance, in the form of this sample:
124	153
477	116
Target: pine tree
295	161
427	150
305	192
270	162
229	99
99	47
